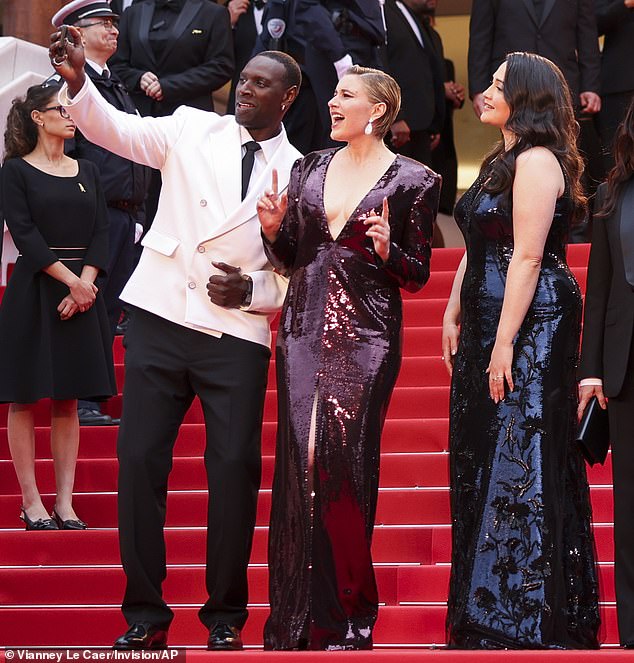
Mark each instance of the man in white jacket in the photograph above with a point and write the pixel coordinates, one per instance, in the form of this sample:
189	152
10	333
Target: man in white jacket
191	334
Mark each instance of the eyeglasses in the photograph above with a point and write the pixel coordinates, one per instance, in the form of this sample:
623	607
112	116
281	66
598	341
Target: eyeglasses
61	110
107	23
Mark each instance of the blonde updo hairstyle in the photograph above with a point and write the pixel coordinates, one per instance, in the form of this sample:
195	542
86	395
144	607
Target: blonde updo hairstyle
381	88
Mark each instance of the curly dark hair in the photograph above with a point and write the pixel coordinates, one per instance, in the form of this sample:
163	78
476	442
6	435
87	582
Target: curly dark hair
623	168
541	114
20	136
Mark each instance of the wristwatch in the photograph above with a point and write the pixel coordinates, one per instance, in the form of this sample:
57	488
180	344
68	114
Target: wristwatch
248	293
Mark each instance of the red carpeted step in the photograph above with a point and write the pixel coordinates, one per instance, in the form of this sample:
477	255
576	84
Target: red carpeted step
396	506
105	586
96	475
390	545
406	403
418	544
448	259
417	342
399	436
416	530
406	470
414	371
396	625
189	509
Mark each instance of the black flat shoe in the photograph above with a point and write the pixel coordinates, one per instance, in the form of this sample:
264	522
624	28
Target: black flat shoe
39	524
142	635
68	524
92	417
224	637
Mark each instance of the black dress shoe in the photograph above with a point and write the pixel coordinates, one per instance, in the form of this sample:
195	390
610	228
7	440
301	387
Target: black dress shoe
39	524
142	635
68	524
122	327
90	417
222	636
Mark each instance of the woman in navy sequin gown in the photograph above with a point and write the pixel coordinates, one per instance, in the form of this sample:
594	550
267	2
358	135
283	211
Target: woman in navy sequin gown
357	228
523	572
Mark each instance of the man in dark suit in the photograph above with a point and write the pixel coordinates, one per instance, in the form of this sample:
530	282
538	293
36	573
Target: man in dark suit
246	24
338	34
563	31
173	52
124	182
417	67
119	6
607	370
615	20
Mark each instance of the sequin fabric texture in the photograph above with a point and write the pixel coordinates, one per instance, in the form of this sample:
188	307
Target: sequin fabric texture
338	355
523	571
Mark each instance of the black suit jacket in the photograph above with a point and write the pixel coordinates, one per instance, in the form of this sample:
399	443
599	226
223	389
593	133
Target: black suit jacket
417	69
324	44
616	22
117	5
566	34
244	38
609	307
198	60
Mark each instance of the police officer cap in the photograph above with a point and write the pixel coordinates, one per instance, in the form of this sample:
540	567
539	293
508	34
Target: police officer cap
78	10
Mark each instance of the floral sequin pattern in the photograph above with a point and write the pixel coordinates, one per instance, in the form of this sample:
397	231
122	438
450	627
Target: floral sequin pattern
523	573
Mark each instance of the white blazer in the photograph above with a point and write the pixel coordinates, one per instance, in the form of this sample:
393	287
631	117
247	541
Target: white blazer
200	216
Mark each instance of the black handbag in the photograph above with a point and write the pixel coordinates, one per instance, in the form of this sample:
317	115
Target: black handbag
593	433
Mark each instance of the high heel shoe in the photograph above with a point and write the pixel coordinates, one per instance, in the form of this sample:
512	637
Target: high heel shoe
39	524
68	524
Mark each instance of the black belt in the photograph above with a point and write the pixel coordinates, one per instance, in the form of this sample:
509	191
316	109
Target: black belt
67	253
125	206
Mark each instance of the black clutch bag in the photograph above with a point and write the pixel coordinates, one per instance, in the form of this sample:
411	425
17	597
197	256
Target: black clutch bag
593	433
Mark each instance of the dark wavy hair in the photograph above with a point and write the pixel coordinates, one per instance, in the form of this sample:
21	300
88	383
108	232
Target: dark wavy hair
20	136
541	114
623	168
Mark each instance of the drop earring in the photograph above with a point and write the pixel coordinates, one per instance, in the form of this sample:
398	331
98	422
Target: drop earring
368	128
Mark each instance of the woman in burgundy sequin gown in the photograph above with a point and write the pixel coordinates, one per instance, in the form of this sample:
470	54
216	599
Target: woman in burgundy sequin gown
357	228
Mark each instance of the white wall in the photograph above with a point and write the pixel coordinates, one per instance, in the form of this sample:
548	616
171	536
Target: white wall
21	65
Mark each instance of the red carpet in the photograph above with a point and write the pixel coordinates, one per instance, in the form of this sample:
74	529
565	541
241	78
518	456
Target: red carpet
61	589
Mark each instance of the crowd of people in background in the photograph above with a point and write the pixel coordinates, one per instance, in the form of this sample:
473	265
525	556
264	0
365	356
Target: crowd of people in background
241	215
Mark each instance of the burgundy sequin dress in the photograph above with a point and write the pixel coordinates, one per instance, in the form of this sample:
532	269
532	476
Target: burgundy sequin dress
338	356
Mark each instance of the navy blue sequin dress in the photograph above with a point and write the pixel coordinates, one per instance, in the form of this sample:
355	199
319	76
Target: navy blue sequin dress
338	355
523	571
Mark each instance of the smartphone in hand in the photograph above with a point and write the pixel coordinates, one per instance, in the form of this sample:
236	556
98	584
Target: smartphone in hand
60	51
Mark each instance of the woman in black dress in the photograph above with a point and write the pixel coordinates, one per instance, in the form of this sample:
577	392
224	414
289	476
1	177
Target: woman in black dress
523	573
355	228
54	338
607	359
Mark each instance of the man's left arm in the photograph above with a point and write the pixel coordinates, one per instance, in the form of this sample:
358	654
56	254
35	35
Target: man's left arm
215	69
588	54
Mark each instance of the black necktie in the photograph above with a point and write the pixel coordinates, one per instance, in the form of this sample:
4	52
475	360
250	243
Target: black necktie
247	164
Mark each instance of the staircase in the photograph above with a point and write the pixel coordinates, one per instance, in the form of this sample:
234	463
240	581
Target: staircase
63	589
